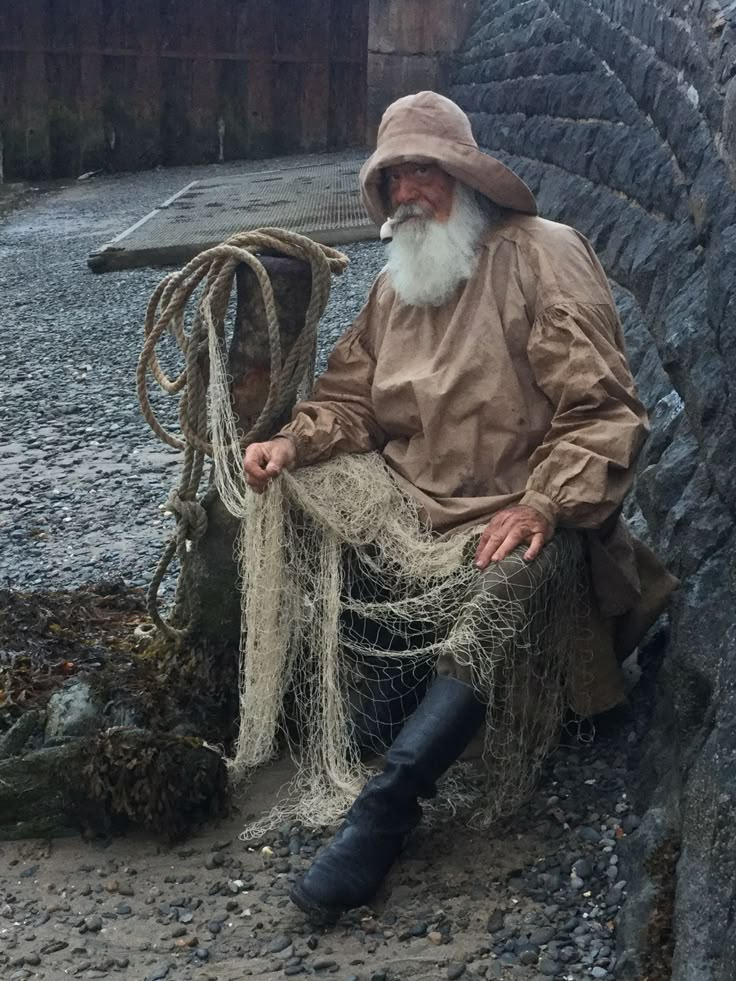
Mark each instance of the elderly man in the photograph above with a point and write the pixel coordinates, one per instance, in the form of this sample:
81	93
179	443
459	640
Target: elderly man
488	368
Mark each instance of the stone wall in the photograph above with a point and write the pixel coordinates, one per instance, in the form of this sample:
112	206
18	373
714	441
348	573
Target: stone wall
621	115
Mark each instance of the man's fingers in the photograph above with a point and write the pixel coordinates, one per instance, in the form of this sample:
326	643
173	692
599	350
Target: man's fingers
514	537
535	548
487	547
255	461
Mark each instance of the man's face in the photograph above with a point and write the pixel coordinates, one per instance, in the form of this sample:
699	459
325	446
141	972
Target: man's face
425	186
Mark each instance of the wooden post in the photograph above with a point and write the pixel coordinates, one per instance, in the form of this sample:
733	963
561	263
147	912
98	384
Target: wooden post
215	563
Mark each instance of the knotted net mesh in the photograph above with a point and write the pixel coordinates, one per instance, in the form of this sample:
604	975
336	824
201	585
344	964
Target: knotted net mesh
350	605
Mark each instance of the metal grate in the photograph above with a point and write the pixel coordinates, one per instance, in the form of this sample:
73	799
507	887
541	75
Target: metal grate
320	200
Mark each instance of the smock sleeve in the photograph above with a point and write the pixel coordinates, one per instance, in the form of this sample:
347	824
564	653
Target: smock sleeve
339	418
581	472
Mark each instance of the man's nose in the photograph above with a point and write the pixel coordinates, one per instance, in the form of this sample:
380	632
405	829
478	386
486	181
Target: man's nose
404	191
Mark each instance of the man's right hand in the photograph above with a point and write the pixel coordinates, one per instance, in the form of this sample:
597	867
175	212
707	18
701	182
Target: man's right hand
264	461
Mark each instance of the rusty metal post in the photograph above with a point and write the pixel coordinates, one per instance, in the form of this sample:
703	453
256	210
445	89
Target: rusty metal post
215	565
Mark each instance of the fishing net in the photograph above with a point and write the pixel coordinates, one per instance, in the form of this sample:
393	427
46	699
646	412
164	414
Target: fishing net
350	605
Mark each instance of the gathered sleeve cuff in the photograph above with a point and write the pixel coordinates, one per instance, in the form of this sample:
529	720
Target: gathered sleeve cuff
585	465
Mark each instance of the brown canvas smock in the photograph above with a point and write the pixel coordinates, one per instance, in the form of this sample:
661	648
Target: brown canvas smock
515	391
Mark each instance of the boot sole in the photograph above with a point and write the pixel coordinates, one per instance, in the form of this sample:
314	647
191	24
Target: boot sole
315	911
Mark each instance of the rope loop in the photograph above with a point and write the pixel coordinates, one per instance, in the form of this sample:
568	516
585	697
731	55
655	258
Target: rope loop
214	270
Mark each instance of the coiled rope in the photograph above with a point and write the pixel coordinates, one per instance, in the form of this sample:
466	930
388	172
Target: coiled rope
289	377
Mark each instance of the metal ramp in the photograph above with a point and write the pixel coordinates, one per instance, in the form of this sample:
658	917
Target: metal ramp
320	199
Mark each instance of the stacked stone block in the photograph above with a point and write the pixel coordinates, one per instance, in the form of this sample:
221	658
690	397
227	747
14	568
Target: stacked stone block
621	115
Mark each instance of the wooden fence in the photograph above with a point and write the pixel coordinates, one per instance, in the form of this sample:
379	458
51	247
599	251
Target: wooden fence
125	84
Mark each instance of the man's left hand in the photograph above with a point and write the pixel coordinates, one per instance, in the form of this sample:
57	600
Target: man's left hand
509	528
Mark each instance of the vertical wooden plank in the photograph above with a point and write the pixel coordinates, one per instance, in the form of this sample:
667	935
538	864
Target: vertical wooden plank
232	101
91	89
11	24
176	132
112	30
348	89
148	85
63	24
315	105
35	90
13	113
224	22
203	95
258	28
287	122
258	36
62	73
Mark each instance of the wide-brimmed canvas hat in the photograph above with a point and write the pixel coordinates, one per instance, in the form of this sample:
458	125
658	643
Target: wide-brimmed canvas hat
429	128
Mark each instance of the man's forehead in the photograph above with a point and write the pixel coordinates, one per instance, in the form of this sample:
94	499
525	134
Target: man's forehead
409	165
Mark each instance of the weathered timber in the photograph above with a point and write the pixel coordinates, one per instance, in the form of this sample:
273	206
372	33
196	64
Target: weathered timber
215	561
124	86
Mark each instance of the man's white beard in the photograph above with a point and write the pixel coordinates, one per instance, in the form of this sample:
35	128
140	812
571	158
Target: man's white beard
428	259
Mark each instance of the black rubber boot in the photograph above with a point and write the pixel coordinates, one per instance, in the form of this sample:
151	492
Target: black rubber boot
351	868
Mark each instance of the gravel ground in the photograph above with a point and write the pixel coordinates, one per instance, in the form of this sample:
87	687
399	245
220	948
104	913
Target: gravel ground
81	481
533	900
81	475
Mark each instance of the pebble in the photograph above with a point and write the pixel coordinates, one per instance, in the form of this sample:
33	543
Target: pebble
281	942
159	972
455	969
548	967
495	921
582	868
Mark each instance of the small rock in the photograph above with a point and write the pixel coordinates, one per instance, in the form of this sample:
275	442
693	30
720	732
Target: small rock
455	969
279	943
54	946
582	868
548	967
322	963
495	921
160	971
599	972
93	923
434	937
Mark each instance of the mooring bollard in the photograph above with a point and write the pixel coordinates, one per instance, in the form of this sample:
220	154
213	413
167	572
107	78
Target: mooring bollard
214	562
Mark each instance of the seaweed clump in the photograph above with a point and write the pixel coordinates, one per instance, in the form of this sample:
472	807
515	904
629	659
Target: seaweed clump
161	782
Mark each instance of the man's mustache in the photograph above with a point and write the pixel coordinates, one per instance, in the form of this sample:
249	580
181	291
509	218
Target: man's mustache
405	211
